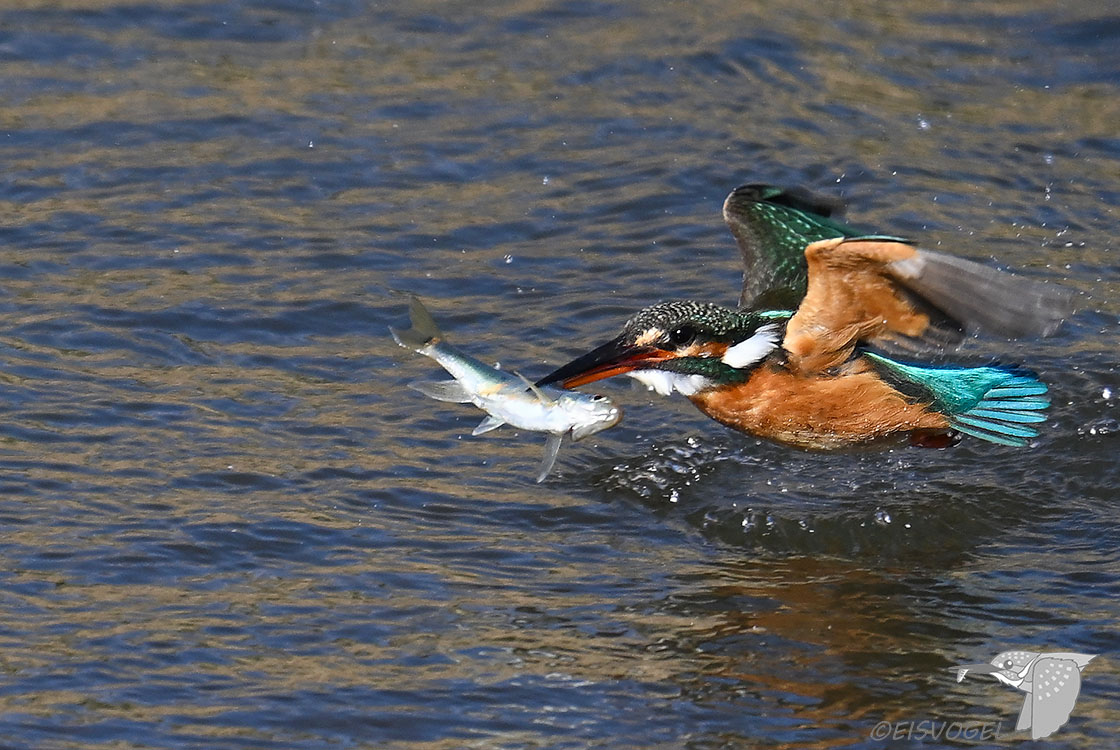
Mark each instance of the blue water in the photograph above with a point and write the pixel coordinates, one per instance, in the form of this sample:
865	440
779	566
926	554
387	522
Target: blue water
227	523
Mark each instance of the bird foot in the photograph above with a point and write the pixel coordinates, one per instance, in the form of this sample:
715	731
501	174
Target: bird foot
938	439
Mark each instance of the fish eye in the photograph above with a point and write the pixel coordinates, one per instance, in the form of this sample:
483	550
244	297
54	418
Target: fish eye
598	399
682	335
1008	664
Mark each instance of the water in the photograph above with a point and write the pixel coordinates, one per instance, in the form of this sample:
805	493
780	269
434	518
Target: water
227	523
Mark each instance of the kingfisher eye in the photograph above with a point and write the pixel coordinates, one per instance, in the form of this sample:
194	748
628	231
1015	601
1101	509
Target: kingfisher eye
598	399
682	335
1008	664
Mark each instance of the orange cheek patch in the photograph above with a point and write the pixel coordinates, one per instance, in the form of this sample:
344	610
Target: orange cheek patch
707	349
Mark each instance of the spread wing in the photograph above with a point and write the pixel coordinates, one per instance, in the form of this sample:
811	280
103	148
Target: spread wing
1056	685
891	293
772	226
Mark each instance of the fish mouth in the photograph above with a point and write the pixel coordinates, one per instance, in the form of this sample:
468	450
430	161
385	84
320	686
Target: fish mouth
612	358
610	419
963	669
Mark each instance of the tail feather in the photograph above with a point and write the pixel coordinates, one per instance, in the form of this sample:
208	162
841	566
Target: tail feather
992	428
1023	392
1013	404
424	330
1008	415
998	404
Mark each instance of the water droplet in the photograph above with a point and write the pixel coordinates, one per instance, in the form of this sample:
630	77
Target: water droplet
1103	426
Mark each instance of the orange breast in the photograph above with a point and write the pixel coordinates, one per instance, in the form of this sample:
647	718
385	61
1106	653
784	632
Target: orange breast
821	411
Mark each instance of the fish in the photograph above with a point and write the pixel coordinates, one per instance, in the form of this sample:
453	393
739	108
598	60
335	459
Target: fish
506	397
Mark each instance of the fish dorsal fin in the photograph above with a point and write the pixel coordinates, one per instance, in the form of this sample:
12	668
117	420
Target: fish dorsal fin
442	390
487	424
551	450
536	391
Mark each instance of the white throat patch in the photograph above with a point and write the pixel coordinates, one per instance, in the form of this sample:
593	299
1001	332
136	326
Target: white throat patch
752	350
666	382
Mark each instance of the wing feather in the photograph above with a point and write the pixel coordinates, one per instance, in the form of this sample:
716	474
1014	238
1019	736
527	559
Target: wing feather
772	226
888	292
850	299
981	297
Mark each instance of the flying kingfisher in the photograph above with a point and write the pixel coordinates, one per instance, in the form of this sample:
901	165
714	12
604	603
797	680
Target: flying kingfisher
816	355
1052	683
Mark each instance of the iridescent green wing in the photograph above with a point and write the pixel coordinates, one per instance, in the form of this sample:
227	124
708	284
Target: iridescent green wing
772	227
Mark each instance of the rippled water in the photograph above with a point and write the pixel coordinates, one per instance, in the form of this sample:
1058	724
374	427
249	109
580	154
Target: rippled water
227	523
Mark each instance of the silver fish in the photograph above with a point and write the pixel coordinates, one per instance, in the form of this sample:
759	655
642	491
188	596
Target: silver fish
507	398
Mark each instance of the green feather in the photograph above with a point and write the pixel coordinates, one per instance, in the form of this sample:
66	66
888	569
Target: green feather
997	404
772	227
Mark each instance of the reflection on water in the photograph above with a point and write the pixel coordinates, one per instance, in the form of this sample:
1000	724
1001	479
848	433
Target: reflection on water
228	523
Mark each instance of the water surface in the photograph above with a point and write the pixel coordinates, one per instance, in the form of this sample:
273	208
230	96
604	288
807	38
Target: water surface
227	523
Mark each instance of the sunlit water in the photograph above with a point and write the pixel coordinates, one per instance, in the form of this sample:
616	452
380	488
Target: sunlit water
228	523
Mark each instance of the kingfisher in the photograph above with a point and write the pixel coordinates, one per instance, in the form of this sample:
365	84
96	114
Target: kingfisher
1051	681
819	353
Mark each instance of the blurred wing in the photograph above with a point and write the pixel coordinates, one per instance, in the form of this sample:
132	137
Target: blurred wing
1057	683
982	297
772	227
892	294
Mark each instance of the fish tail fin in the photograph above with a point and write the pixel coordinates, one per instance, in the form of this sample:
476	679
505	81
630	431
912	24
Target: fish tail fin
424	330
994	403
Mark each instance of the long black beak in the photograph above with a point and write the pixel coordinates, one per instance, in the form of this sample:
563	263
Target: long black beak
963	669
612	358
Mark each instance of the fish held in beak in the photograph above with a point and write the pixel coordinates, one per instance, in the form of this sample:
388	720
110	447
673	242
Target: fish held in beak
963	669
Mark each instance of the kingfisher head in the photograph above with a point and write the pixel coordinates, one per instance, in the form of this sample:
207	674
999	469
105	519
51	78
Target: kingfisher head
1009	667
683	346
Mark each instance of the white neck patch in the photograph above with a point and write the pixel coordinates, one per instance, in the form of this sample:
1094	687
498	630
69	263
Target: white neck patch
753	350
665	382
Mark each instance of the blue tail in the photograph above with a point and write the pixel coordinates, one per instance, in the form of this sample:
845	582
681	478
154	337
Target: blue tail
997	404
